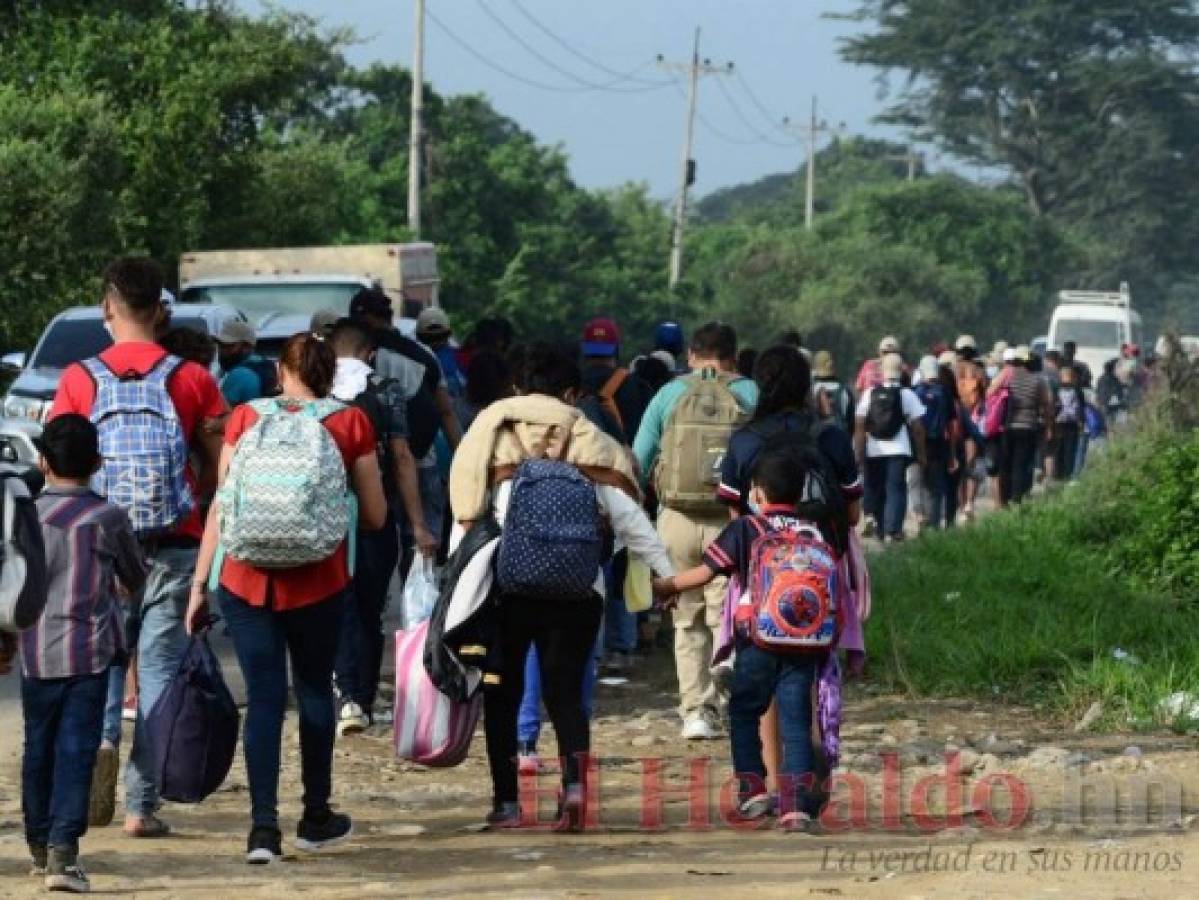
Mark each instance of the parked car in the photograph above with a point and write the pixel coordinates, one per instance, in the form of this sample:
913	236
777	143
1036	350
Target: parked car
75	335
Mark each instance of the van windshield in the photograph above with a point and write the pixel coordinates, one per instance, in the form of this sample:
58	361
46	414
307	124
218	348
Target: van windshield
260	300
1088	333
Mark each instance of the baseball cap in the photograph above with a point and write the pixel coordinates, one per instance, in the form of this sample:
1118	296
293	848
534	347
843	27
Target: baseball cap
892	366
323	321
822	365
888	344
370	302
70	445
1009	354
948	358
965	342
601	337
1023	352
669	336
433	321
236	332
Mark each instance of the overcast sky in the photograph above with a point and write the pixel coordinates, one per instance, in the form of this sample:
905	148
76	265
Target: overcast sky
784	52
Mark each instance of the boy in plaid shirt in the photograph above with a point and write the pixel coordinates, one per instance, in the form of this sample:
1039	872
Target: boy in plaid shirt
66	655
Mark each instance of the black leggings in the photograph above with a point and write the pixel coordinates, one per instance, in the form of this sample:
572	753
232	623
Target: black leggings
564	633
1020	457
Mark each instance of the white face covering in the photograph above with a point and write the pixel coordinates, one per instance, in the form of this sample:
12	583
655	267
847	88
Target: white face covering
992	371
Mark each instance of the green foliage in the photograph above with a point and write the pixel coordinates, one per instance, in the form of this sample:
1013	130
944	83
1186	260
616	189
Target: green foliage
161	127
918	259
1033	602
1088	103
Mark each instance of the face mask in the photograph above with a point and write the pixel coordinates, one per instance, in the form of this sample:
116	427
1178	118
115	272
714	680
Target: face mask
754	508
992	371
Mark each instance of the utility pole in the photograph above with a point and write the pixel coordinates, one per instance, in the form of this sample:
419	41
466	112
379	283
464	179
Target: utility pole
687	175
811	134
416	124
912	158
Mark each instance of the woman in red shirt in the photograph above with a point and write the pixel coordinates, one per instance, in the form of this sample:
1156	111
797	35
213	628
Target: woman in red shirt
276	613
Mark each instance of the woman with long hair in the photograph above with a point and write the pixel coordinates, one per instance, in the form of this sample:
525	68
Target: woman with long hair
277	614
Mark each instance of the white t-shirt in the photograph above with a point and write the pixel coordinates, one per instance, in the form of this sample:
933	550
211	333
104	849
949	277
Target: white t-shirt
901	444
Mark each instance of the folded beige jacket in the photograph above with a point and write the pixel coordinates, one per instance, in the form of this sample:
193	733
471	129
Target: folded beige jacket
534	427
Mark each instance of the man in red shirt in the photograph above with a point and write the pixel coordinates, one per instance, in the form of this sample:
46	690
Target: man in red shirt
133	308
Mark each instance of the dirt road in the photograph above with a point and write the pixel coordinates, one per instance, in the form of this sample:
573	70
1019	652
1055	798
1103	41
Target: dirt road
416	834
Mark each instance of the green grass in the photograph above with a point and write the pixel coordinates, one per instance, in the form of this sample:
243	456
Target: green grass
1031	604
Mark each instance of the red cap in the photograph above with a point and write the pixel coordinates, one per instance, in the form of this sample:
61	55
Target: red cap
601	337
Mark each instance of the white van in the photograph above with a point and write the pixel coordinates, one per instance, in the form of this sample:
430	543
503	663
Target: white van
1099	322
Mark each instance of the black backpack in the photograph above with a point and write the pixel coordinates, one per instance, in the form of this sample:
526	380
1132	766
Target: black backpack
823	502
23	578
884	417
373	402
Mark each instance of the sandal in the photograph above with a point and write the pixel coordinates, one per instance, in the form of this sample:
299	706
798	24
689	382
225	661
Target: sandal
147	827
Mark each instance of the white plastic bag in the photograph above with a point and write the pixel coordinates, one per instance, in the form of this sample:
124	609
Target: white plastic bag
420	591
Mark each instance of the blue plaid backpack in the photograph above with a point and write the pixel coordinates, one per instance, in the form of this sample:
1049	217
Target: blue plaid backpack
142	445
553	542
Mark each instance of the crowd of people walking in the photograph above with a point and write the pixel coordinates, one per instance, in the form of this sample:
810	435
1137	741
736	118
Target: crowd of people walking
286	497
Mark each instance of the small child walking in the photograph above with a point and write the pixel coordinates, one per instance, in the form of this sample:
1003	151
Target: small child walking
66	655
762	674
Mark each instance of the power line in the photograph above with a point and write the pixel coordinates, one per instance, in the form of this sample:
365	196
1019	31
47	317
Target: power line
540	85
610	86
573	51
716	132
749	126
766	113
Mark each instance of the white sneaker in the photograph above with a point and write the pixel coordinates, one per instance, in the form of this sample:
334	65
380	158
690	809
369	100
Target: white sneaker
352	719
698	728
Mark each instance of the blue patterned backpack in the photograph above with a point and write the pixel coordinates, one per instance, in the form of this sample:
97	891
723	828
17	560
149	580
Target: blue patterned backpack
286	500
142	446
553	544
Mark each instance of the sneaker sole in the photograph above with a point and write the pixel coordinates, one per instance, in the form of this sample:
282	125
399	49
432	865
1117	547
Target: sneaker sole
316	846
346	728
262	857
62	885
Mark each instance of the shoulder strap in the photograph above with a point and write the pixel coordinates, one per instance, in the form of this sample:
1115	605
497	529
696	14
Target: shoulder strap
161	371
323	408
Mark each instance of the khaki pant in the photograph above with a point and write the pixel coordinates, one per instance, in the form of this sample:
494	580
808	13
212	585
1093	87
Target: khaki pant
698	616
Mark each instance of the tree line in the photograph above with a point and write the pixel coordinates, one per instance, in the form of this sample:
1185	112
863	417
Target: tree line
158	127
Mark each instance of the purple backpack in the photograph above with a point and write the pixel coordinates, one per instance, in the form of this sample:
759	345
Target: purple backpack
193	728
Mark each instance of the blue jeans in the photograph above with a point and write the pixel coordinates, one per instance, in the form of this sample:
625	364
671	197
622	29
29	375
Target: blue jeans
887	492
528	721
360	653
759	677
63	718
620	625
161	644
264	640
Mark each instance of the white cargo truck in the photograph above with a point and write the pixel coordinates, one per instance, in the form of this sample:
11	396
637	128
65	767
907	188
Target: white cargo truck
300	281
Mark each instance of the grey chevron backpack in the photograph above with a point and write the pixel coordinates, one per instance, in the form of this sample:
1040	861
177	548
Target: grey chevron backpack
286	501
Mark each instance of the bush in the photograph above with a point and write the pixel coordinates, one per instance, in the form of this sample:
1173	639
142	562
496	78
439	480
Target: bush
1088	594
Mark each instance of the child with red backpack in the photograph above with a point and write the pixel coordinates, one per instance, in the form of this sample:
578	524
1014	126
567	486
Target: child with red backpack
787	623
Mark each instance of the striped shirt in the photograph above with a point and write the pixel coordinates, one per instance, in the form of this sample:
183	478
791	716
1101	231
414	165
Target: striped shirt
1028	399
89	547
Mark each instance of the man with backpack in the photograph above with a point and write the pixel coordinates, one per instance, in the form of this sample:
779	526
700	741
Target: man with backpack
150	410
615	399
681	447
430	409
360	652
1070	404
246	375
833	400
889	435
941	438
